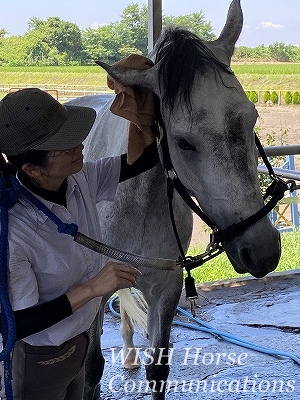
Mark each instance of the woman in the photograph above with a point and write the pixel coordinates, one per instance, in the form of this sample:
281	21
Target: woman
55	284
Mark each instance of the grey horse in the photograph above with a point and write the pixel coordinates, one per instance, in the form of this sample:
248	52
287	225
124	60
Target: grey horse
208	122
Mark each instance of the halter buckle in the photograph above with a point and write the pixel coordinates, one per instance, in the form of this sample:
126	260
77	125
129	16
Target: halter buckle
171	174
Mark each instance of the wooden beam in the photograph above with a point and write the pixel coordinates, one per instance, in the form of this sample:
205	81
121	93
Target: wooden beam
154	22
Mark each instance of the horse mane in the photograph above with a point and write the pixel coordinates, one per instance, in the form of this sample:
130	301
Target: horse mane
180	54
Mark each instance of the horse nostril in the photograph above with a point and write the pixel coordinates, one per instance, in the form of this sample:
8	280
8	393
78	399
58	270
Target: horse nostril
246	259
245	256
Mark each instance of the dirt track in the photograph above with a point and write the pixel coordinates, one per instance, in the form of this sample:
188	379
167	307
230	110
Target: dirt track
278	119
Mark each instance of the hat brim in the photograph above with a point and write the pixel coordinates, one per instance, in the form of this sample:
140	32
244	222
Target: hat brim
73	131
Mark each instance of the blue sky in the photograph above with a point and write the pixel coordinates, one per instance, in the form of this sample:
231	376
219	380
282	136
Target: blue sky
265	21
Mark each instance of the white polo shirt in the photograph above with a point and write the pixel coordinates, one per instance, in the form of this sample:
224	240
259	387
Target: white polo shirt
44	264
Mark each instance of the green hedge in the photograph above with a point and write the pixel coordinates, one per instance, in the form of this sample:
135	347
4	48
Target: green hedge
296	98
288	97
252	96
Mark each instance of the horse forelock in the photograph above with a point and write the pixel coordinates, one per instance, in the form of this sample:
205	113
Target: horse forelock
181	54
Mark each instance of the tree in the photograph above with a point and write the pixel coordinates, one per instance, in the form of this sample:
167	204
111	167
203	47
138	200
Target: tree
243	53
133	30
63	36
3	32
27	50
194	22
262	53
12	51
102	43
117	40
280	52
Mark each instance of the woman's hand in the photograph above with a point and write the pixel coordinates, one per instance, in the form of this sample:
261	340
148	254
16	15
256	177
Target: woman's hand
112	277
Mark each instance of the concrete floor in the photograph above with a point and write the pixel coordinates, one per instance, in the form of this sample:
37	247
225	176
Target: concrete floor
262	311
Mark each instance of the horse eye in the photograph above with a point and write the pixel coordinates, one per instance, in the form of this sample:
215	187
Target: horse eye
185	145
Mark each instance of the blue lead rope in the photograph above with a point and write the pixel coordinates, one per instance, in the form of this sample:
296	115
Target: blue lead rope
9	193
62	227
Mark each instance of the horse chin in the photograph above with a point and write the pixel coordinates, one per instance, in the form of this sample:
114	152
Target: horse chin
251	259
241	270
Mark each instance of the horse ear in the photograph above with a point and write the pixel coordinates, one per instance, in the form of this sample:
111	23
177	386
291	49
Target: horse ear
232	29
133	77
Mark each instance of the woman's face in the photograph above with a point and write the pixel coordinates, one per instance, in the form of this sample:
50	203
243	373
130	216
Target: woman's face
63	163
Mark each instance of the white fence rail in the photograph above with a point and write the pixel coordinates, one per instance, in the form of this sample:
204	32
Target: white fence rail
63	91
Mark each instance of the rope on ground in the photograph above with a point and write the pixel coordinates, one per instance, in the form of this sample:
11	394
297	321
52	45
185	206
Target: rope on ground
202	326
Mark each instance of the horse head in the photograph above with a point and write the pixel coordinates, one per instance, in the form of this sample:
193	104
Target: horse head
209	125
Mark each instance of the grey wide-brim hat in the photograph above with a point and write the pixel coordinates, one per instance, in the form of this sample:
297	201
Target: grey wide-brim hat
33	119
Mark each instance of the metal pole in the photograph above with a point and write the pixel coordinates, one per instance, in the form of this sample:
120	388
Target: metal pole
273	151
154	22
282	172
282	150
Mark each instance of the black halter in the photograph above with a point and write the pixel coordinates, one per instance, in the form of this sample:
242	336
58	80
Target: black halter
274	192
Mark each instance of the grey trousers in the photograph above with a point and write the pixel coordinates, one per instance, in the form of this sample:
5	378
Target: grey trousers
50	372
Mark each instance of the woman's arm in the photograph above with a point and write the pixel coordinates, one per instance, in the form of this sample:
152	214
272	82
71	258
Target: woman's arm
148	159
113	276
35	319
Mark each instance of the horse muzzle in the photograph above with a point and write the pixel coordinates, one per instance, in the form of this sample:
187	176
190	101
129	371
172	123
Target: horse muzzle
257	257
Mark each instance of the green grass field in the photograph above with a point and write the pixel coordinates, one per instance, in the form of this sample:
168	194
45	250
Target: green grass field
220	268
92	76
267	68
252	76
284	77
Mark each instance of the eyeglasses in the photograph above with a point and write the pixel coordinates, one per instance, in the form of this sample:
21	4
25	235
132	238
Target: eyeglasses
59	153
67	152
